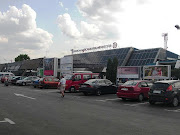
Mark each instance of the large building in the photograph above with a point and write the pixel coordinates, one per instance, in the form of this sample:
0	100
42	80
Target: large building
97	61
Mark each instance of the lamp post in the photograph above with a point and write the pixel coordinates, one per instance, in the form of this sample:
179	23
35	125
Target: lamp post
177	27
165	35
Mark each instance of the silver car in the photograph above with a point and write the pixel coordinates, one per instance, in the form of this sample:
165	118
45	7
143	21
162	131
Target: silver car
27	80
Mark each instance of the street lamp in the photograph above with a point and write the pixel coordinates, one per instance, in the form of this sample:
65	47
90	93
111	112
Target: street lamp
177	27
165	36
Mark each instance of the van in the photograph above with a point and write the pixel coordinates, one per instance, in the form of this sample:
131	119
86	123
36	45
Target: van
8	74
2	74
74	80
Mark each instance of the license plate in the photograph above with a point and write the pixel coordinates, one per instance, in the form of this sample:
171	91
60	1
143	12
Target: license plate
124	88
83	86
156	91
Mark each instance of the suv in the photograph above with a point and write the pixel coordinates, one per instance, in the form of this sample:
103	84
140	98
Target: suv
135	89
167	91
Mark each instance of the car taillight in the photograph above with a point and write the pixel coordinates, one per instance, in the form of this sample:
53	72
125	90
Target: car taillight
169	88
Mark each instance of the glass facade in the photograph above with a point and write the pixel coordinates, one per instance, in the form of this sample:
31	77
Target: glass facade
143	57
126	57
100	58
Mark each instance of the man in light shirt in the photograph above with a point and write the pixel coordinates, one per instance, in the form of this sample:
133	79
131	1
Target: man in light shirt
62	85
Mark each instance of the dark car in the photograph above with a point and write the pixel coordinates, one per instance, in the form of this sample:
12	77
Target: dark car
16	78
134	89
36	82
48	82
98	87
167	91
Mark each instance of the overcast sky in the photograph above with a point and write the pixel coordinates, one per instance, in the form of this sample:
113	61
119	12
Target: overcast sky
52	28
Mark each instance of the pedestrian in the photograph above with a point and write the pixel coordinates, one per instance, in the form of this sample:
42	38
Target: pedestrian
6	80
62	85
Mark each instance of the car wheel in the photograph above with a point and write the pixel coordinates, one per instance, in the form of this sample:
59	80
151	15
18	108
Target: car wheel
151	102
98	92
140	97
23	83
85	93
72	89
34	86
175	102
124	99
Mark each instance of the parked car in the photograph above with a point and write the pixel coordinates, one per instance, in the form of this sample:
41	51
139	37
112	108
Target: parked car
167	91
134	89
36	82
98	87
2	74
27	80
48	82
9	75
74	80
16	78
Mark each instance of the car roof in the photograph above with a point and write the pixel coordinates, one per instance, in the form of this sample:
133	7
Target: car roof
91	80
168	81
139	80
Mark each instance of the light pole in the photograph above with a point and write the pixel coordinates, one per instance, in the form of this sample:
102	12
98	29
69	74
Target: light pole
177	27
165	35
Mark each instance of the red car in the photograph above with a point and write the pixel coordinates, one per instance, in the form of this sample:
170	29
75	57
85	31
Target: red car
135	89
48	82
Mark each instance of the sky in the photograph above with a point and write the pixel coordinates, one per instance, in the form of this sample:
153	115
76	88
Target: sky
51	28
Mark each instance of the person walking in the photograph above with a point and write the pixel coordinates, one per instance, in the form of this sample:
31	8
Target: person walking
62	85
6	81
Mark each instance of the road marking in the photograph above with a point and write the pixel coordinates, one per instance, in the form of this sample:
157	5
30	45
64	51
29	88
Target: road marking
7	120
108	99
136	104
21	95
178	110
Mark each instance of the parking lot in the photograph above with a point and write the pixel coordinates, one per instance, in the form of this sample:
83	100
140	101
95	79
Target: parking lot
28	110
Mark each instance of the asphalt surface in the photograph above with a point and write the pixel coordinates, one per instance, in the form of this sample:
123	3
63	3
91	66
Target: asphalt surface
25	110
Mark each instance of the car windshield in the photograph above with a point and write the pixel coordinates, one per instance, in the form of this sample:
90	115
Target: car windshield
26	78
92	81
130	83
68	77
160	86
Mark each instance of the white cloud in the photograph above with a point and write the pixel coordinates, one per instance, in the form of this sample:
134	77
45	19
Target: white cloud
61	4
18	29
67	26
137	23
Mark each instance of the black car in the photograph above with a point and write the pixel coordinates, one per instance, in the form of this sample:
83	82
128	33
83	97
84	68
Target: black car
98	87
167	91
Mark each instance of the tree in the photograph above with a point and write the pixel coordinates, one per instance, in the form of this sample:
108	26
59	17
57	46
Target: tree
175	73
114	69
111	71
22	57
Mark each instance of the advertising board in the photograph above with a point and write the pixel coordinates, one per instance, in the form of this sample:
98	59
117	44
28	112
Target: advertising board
48	66
66	65
128	72
157	72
